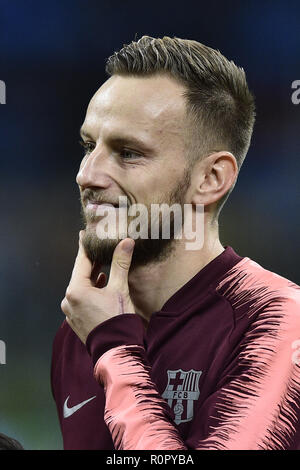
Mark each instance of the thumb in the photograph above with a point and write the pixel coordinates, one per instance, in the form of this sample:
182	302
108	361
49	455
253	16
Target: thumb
82	266
121	261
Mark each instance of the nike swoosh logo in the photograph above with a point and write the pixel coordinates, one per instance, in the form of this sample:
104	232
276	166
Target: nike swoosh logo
69	411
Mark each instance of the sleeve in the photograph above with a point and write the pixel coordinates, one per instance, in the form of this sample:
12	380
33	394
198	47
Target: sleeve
254	406
136	415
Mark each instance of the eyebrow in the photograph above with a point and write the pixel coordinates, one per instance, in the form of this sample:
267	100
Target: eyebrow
122	140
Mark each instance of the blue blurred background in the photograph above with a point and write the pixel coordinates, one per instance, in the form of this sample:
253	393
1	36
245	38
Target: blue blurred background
52	57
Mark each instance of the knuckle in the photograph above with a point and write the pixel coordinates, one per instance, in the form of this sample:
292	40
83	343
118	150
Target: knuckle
122	263
64	305
71	295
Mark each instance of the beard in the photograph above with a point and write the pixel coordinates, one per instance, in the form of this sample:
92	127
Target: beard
146	250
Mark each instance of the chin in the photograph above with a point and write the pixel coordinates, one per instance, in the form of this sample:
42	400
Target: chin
98	251
146	251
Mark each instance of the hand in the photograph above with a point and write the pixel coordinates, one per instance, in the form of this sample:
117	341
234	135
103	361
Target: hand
86	305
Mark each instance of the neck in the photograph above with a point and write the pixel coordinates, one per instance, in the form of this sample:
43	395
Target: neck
152	285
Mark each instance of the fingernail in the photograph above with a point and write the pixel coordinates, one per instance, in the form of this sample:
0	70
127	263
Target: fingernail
128	246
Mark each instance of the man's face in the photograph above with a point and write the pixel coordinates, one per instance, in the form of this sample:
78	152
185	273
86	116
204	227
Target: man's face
133	135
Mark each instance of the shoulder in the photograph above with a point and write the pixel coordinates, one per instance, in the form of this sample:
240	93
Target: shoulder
264	297
248	280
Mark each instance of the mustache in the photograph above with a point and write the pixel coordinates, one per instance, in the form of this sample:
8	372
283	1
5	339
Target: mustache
90	195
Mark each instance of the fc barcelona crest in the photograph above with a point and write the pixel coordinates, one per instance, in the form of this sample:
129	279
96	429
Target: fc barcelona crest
181	391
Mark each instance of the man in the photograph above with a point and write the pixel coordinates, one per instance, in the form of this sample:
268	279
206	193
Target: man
180	348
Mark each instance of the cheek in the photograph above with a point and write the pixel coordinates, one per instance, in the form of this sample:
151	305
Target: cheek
149	184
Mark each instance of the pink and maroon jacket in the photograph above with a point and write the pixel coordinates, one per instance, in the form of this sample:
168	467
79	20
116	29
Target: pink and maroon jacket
217	368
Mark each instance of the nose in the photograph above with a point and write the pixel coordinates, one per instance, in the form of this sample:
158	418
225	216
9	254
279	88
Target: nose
92	171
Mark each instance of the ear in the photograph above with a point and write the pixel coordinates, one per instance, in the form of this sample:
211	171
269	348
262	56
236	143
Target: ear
214	177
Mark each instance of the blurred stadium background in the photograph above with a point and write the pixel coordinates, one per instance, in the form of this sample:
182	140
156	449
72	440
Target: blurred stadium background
52	57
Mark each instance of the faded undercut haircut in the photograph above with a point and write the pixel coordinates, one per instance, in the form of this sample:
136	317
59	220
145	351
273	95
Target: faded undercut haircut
220	107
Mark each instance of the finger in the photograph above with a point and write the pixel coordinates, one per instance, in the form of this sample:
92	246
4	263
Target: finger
118	276
101	281
83	267
96	271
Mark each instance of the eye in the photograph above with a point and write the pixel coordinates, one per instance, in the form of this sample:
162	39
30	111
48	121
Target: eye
129	154
88	146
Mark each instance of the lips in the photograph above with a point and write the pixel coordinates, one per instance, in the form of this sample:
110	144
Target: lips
96	204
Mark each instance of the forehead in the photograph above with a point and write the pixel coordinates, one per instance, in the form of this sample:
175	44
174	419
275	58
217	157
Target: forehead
154	104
